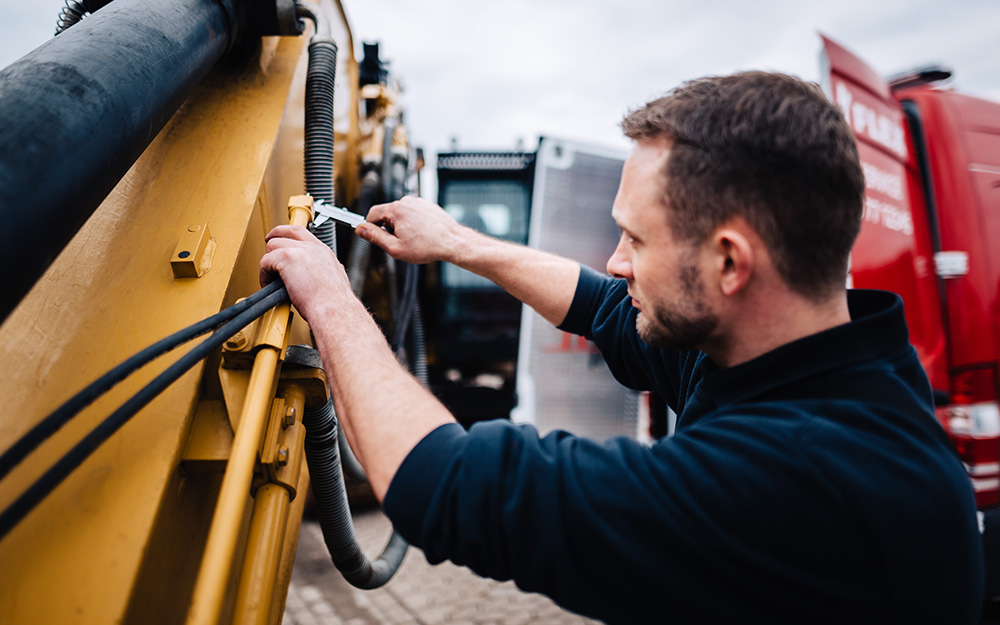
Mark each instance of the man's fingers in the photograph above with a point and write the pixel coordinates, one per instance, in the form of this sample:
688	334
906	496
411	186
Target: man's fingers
266	277
380	213
268	270
376	235
297	233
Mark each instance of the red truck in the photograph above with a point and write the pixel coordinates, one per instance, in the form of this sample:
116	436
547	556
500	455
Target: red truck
931	158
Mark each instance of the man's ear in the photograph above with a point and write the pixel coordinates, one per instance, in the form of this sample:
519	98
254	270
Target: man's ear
735	259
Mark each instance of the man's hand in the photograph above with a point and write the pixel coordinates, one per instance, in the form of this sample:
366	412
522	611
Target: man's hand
417	232
315	279
381	427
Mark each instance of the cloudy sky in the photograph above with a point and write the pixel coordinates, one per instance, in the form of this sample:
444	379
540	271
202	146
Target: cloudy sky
493	72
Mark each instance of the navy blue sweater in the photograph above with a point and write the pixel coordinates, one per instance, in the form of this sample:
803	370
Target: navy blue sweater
810	485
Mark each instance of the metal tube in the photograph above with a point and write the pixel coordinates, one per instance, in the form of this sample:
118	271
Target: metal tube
80	109
216	564
266	540
260	568
220	547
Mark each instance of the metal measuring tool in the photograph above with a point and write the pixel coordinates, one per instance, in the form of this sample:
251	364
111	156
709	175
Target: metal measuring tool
326	211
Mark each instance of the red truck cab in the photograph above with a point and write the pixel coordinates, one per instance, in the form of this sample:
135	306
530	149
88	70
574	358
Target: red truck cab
931	158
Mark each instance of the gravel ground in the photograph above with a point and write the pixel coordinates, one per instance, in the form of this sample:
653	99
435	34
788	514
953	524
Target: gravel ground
419	594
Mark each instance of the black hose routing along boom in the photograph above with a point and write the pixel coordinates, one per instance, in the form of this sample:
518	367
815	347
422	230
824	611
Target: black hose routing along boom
55	475
80	109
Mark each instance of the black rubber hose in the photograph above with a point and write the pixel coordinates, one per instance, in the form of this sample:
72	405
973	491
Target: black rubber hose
64	413
44	485
388	137
399	174
357	264
75	10
416	346
86	104
320	82
407	302
349	462
408	333
70	14
323	458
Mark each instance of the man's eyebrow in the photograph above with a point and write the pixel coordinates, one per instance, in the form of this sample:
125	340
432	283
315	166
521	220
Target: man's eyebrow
621	226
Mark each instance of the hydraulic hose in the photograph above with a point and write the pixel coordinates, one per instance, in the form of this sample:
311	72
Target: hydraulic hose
71	13
349	462
321	445
357	270
323	458
64	413
75	10
407	302
86	104
388	136
320	82
357	265
416	346
49	480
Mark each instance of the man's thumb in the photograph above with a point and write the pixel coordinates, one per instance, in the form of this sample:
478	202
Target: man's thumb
372	233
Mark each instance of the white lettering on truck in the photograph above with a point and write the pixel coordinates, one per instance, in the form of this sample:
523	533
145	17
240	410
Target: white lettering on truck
888	216
865	121
884	211
878	179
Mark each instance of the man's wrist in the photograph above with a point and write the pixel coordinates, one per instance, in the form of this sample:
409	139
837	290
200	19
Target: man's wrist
471	250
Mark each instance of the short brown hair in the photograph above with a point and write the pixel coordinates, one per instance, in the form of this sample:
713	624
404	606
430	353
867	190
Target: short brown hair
772	149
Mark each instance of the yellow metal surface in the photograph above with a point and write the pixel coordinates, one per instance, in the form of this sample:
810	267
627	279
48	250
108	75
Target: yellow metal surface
266	539
77	556
217	561
216	566
210	441
97	548
260	568
291	541
122	538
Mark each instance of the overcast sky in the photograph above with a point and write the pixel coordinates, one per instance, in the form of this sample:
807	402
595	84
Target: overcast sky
493	72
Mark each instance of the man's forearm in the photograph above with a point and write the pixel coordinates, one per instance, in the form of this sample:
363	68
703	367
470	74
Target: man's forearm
543	281
418	231
384	410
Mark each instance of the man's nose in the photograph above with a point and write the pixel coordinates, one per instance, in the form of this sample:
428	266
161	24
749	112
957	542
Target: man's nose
619	265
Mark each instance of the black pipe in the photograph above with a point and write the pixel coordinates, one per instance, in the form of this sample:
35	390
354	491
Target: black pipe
76	10
361	250
51	424
80	109
321	78
327	478
58	472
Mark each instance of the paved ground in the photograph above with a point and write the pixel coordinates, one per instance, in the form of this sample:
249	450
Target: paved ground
419	594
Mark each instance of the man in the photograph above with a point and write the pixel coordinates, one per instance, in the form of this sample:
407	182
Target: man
807	482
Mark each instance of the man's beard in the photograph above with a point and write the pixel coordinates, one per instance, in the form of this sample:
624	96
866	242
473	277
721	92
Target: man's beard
681	327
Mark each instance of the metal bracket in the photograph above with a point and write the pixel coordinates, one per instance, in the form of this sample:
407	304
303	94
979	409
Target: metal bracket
210	441
238	352
281	449
193	255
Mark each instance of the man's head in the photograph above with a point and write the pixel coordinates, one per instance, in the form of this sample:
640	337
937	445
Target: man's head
769	149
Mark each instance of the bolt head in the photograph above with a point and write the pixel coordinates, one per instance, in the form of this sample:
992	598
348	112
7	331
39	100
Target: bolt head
237	342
